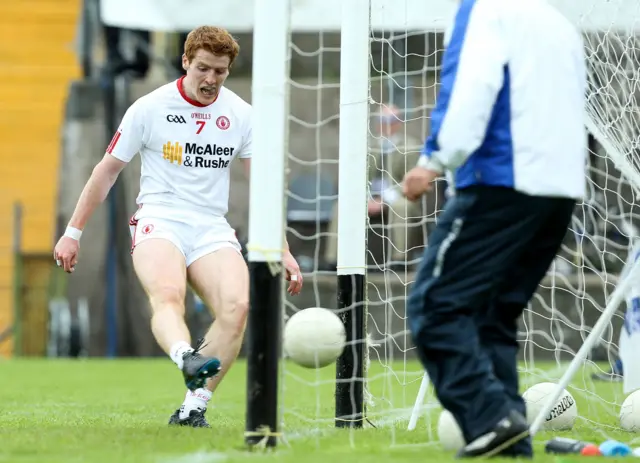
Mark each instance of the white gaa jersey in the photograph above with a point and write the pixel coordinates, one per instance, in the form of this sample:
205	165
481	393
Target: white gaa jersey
186	148
511	106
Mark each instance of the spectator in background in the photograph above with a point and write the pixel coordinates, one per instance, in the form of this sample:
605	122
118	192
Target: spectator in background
391	154
141	52
116	62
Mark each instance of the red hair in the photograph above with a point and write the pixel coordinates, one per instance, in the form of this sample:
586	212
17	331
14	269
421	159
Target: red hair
215	40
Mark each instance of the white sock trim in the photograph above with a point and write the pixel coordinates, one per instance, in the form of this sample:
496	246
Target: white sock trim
194	400
178	350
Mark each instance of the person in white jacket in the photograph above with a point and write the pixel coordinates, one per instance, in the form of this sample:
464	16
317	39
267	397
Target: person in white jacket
509	126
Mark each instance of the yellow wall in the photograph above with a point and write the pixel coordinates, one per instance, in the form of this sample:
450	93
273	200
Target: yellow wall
38	62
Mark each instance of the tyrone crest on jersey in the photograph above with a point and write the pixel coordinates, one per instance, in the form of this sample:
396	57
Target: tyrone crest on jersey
223	123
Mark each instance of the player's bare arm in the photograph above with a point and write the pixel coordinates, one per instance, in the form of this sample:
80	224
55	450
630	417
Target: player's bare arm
94	193
294	275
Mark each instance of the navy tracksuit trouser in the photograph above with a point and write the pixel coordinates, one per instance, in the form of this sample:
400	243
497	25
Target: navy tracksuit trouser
489	251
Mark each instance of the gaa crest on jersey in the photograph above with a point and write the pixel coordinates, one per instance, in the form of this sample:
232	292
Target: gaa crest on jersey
223	122
176	119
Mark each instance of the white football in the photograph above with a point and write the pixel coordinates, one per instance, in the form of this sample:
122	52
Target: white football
630	412
449	432
314	337
563	414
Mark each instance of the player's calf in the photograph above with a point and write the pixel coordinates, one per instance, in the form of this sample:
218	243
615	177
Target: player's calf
220	278
224	340
233	317
167	324
170	331
160	267
225	336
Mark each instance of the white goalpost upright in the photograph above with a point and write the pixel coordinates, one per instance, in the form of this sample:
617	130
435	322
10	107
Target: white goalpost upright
270	101
352	211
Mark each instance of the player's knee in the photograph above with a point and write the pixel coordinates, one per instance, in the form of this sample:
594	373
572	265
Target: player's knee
167	297
234	316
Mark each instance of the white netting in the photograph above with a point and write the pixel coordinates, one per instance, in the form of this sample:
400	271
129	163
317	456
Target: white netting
311	215
405	71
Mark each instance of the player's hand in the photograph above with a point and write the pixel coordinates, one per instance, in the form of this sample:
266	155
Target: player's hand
417	182
66	253
294	276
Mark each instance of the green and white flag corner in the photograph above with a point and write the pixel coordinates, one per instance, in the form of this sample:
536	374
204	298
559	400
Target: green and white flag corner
630	332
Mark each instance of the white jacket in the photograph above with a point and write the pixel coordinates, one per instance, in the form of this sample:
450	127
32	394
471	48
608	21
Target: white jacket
511	106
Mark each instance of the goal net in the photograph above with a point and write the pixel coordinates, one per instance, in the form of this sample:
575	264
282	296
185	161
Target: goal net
402	90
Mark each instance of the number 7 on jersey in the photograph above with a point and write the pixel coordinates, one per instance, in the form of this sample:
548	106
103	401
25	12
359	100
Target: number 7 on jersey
200	125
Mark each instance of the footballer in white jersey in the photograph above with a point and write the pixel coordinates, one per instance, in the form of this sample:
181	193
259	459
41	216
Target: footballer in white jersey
186	150
186	147
188	133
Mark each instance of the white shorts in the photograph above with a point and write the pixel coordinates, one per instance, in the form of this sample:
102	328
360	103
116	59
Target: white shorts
193	233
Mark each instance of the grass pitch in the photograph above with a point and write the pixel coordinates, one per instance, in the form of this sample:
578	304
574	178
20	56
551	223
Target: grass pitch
116	411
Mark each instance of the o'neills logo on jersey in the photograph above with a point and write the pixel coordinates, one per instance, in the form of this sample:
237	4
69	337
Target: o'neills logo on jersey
195	155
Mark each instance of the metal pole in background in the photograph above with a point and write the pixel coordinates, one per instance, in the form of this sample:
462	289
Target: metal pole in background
111	276
17	279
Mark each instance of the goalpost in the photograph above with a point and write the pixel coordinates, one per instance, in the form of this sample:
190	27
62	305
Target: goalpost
266	236
389	54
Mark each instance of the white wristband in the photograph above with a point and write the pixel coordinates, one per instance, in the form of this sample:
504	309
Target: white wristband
74	233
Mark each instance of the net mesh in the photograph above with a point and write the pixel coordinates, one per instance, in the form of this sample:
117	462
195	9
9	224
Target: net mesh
405	69
307	395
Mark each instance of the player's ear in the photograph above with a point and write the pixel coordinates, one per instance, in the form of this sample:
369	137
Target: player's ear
185	62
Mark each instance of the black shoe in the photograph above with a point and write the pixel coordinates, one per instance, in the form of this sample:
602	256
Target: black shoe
196	369
195	419
507	432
